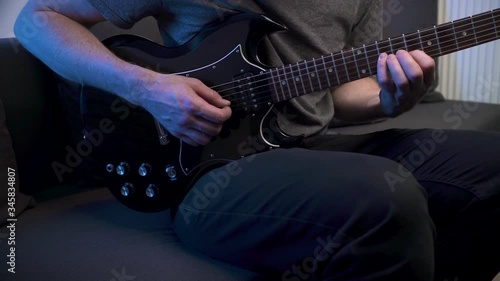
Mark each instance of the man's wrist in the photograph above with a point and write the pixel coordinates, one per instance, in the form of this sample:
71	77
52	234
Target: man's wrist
136	81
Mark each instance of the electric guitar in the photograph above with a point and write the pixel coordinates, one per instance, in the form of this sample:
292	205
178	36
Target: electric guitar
149	170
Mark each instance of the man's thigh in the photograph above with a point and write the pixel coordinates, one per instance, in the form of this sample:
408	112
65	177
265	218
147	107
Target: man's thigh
274	210
460	171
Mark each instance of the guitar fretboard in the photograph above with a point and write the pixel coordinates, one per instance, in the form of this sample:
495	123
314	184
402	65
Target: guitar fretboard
334	69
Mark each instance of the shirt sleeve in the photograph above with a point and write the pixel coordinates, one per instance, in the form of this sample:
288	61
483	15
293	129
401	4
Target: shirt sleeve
125	13
368	27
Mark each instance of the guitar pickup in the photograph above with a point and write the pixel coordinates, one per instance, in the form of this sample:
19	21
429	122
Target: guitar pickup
247	91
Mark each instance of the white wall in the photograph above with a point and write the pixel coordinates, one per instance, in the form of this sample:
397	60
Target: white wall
9	9
472	74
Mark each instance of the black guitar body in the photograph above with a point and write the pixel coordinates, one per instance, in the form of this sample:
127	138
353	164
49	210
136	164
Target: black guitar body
150	171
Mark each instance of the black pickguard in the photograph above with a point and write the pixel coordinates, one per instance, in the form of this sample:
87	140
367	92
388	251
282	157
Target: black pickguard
220	54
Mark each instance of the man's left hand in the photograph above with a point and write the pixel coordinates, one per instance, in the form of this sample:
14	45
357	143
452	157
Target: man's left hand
404	79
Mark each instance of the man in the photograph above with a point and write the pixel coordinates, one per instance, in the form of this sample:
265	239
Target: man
347	212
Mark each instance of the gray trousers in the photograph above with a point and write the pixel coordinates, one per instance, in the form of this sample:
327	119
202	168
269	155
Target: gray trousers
393	205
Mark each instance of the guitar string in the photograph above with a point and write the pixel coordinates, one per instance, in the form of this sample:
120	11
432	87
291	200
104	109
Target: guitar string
343	77
350	69
419	41
265	99
297	73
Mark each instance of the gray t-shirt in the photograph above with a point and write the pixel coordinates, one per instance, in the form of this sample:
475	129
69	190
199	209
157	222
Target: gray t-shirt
315	28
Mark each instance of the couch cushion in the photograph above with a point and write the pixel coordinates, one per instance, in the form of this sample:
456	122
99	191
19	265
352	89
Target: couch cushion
451	114
90	236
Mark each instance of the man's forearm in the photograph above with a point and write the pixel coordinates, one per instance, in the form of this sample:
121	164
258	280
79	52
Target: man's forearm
72	51
358	101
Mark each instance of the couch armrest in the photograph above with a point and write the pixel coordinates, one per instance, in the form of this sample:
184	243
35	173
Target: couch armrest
34	115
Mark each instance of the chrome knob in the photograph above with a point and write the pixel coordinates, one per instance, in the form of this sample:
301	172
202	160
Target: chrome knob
152	190
127	189
171	172
110	168
144	169
123	169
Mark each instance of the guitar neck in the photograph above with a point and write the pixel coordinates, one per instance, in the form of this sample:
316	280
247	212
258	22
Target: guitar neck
334	69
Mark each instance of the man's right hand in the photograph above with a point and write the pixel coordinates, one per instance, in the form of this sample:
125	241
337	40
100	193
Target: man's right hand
186	107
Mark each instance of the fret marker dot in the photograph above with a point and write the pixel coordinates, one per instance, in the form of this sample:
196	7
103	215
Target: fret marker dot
313	75
464	33
330	70
359	52
429	43
363	71
284	82
297	79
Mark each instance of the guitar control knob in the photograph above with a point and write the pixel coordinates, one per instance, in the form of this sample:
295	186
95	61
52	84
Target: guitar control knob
127	189
123	169
110	168
152	190
171	172
145	169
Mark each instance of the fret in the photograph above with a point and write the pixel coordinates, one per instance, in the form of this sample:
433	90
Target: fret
446	38
326	72
495	22
420	39
398	44
309	76
294	79
335	68
404	41
378	49
473	29
287	83
301	78
317	74
373	59
464	33
356	63
341	68
276	94
384	47
367	60
413	41
281	84
429	40
455	34
363	69
390	44
345	66
485	30
437	41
